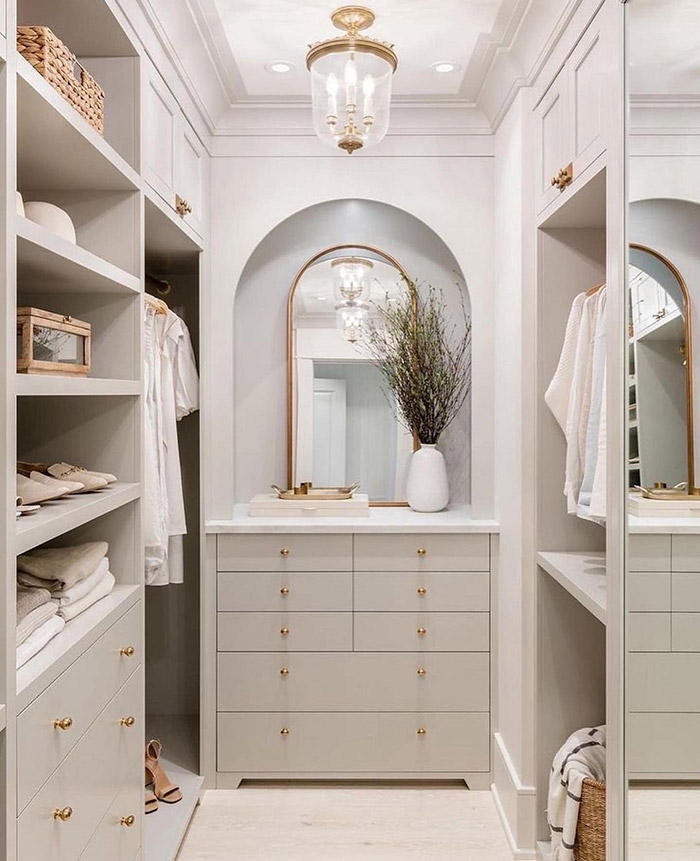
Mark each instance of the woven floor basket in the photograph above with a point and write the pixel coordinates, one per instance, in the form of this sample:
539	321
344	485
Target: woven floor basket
590	831
54	62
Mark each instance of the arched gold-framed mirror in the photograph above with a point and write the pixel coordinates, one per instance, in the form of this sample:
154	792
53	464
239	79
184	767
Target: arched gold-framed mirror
661	406
341	425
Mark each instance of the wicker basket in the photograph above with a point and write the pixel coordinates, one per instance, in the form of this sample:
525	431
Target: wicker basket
54	62
590	830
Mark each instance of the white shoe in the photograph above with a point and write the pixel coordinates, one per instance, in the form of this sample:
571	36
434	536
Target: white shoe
33	492
77	473
73	486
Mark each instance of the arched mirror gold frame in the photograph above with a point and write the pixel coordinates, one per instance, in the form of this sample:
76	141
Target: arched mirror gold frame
690	433
326	252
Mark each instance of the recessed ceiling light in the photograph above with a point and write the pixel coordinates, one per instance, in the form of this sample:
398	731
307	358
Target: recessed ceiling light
444	67
280	67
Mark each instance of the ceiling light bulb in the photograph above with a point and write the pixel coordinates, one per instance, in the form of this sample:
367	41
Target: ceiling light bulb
445	67
280	67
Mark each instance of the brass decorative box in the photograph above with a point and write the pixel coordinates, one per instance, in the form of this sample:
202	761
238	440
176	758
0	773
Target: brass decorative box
49	343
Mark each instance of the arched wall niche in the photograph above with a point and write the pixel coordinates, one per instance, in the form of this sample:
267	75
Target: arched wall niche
259	326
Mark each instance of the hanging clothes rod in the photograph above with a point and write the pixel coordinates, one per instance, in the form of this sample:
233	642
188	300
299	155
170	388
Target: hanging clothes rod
160	285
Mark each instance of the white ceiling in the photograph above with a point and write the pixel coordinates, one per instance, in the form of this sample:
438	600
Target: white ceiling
663	47
245	35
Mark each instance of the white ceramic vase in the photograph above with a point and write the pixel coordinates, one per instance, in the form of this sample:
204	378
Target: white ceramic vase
427	488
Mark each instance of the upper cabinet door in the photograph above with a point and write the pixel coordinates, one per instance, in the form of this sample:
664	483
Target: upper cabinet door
189	176
553	149
161	127
587	93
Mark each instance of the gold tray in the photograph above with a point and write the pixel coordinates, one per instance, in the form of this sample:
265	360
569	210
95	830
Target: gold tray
307	491
668	493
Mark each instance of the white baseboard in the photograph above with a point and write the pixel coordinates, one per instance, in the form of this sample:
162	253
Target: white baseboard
515	803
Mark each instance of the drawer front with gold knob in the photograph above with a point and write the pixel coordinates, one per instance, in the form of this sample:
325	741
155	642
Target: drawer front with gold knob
432	632
437	591
346	743
264	591
115	839
359	681
433	552
296	632
85	785
284	552
50	726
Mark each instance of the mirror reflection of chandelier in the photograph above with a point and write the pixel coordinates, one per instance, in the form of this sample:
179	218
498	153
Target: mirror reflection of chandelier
350	284
351	82
351	316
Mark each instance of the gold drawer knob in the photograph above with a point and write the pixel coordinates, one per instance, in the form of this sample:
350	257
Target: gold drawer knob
421	632
284	731
127	651
127	821
63	723
63	813
284	551
284	631
421	730
422	590
284	591
422	671
421	551
182	207
128	721
284	671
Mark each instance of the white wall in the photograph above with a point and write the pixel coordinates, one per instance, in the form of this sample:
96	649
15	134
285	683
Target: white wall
453	196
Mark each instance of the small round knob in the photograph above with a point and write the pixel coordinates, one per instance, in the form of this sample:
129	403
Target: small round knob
128	721
127	821
421	671
555	180
421	551
284	671
127	651
284	591
421	730
284	551
63	723
284	731
421	590
421	632
63	813
284	631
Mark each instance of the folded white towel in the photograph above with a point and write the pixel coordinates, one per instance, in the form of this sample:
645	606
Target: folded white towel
66	597
36	642
103	588
582	756
62	567
34	620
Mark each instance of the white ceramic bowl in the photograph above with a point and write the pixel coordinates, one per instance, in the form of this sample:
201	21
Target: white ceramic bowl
51	217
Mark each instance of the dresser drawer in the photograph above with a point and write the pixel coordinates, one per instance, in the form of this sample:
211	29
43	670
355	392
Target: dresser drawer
417	632
649	591
429	590
432	552
685	592
649	632
296	590
114	839
294	632
346	743
663	744
79	694
685	632
663	682
361	682
685	553
87	781
284	552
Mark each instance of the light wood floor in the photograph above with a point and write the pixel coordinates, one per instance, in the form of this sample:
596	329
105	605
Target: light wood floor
345	824
664	824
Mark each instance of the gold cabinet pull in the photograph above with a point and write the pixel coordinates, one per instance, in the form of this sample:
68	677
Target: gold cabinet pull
421	551
421	632
128	721
421	730
421	671
284	591
284	631
284	731
127	821
127	651
421	590
284	671
63	723
182	207
284	551
63	813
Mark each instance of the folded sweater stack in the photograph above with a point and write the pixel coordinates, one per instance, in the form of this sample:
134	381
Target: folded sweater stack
55	585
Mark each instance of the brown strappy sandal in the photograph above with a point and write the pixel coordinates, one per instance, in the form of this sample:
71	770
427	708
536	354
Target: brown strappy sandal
163	788
151	802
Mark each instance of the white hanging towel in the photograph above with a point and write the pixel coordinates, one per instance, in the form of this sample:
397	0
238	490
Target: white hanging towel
582	756
559	391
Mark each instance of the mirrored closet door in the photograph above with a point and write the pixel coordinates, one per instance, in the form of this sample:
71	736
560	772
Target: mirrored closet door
662	640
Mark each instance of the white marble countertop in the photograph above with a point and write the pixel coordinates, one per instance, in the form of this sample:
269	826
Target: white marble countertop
453	519
664	525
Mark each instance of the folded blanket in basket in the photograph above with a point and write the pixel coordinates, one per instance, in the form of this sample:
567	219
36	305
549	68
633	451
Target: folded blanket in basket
35	620
36	641
581	756
57	568
29	599
103	588
65	597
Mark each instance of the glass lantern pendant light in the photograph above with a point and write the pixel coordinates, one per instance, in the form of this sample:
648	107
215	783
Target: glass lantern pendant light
351	82
350	277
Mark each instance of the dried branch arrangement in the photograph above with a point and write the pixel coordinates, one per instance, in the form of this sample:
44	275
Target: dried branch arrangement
424	356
